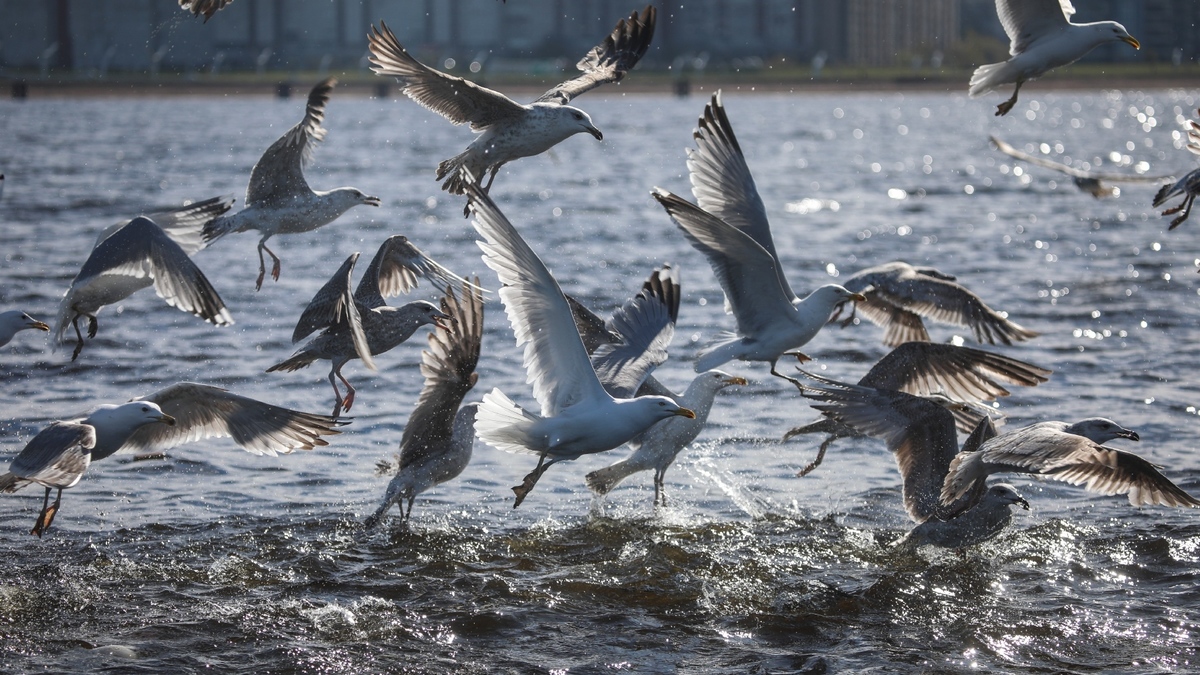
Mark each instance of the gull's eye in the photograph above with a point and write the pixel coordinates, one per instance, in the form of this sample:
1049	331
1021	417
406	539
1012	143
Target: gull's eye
578	116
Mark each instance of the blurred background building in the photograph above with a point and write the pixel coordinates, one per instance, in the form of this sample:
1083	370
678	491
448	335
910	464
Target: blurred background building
97	36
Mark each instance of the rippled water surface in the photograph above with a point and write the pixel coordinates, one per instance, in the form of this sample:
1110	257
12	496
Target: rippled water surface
216	559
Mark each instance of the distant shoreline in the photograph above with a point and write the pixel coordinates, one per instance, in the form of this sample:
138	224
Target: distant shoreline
297	85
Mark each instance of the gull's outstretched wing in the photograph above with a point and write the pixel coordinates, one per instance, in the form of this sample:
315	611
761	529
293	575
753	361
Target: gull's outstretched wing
205	7
1025	21
722	184
333	306
203	411
279	174
1078	174
184	224
449	369
962	373
645	325
395	269
456	99
608	61
1046	450
556	363
919	432
57	457
141	249
746	271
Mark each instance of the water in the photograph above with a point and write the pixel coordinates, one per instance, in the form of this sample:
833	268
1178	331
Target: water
218	559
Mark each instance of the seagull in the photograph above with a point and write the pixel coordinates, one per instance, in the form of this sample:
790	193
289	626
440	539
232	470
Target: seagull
729	226
658	446
1091	182
437	442
205	7
1188	186
898	295
14	321
1071	453
921	435
578	416
1042	38
972	377
190	412
278	198
362	325
147	251
509	130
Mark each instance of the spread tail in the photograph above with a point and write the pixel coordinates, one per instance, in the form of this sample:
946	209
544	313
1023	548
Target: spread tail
504	425
301	359
11	483
219	227
456	182
602	481
722	350
965	470
987	78
1163	195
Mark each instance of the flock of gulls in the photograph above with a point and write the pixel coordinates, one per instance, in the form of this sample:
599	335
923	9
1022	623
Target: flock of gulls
590	376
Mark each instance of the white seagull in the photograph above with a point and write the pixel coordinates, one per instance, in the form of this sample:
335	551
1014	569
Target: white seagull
1042	38
1071	453
964	375
509	130
14	321
438	439
1188	186
578	416
730	228
362	325
278	198
898	295
1092	182
920	432
58	456
147	251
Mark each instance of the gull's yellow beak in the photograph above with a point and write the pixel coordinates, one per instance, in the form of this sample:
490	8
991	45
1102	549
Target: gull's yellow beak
40	325
737	380
684	412
858	297
168	420
1131	41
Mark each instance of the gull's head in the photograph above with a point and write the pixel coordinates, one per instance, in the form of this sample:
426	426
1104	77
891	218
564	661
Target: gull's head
427	312
1111	31
131	415
577	121
19	320
719	379
1101	430
661	407
836	295
1003	493
365	198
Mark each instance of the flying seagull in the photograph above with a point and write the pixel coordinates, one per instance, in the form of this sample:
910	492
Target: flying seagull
1188	186
971	377
1071	453
437	441
278	198
14	321
578	416
729	226
1042	38
147	251
1091	182
205	7
362	325
509	130
898	295
58	456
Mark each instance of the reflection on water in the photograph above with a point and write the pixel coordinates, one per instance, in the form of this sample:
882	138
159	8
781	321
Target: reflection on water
218	559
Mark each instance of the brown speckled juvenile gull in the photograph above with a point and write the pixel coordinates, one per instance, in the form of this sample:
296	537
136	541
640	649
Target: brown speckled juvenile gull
509	130
1188	186
278	198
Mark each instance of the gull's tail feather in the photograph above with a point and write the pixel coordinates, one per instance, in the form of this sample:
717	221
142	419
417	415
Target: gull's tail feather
222	225
504	425
1163	195
456	184
11	483
725	348
965	470
301	359
987	78
602	481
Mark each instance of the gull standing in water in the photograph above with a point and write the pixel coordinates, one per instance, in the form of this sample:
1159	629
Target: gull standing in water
898	295
578	416
921	435
58	456
1071	453
1092	182
146	251
509	130
968	376
1042	38
13	321
437	441
362	325
730	228
278	198
1188	186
